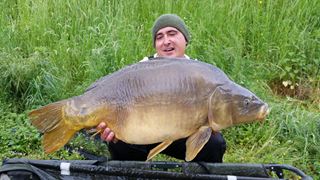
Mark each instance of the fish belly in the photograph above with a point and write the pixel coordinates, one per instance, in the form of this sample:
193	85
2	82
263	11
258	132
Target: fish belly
148	125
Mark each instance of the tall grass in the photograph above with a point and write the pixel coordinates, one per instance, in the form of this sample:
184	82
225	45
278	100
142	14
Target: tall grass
51	50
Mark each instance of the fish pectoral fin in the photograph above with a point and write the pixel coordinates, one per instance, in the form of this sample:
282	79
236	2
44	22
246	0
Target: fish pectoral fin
196	142
153	152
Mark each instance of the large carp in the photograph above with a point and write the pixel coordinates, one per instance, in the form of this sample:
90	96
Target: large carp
150	102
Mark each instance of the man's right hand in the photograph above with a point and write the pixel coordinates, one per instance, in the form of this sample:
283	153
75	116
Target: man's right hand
106	133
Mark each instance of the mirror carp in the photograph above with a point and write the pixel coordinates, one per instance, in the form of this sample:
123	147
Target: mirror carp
157	101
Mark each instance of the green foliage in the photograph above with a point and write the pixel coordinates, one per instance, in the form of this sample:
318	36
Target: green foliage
51	50
14	132
24	79
90	144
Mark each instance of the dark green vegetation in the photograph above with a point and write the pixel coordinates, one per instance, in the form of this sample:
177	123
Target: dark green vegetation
51	50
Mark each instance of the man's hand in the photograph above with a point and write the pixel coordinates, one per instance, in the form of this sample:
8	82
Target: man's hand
106	133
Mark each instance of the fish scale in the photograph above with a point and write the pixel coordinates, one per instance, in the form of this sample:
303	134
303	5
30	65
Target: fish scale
157	101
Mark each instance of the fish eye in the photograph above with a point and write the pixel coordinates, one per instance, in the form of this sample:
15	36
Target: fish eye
247	101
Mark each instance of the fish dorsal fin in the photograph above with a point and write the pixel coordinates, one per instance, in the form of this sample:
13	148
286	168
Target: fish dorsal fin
153	152
196	142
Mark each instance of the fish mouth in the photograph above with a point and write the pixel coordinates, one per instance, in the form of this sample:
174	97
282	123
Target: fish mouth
264	111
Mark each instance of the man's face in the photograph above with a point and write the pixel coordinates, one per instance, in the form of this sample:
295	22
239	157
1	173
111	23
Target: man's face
170	42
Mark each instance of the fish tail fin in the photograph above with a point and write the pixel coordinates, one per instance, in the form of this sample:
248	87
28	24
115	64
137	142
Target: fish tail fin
57	138
51	121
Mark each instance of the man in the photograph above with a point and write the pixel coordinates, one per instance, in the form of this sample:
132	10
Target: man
170	39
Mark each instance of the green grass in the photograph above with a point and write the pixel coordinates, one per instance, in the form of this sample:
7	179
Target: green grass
51	50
